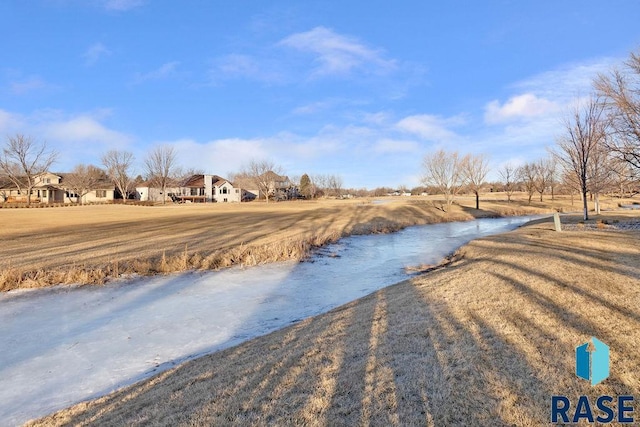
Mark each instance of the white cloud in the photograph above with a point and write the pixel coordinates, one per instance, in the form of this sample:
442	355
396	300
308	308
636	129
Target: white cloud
122	5
378	119
313	108
219	156
526	105
430	127
30	84
78	138
238	64
567	82
9	122
85	129
387	145
244	66
165	71
336	54
94	53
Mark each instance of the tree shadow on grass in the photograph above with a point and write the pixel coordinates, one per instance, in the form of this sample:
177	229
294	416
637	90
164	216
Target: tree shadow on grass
396	357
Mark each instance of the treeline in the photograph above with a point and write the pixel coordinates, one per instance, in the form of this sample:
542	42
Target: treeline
597	152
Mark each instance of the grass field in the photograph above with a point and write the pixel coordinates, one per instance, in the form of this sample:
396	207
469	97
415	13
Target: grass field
486	340
90	244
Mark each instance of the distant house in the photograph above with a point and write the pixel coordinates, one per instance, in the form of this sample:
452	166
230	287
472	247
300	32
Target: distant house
223	191
198	188
148	191
279	186
50	188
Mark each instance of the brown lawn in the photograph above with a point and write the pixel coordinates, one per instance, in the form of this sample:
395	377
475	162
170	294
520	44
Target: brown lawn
486	340
89	244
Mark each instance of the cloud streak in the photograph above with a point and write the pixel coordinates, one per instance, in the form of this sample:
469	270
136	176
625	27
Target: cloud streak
336	54
87	130
94	53
235	66
122	5
431	128
165	71
30	84
525	106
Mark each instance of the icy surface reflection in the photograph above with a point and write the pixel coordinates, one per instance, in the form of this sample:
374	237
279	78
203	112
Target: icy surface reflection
63	345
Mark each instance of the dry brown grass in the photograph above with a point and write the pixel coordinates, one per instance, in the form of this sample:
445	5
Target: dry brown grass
485	341
90	244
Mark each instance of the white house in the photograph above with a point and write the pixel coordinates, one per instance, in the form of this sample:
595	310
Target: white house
197	188
50	188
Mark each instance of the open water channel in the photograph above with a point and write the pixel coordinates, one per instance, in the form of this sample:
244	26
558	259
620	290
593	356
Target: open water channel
62	345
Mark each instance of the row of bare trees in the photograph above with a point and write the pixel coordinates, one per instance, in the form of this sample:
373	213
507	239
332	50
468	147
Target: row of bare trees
449	172
317	185
23	160
598	150
535	176
600	144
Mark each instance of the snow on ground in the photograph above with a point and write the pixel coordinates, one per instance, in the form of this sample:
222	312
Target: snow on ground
63	345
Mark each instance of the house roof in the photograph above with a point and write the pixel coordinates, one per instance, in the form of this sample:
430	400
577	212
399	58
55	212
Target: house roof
272	176
150	183
198	180
103	184
221	182
194	181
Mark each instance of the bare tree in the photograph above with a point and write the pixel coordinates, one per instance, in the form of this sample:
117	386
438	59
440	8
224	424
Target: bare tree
570	182
545	170
320	184
474	169
584	133
23	160
334	184
442	170
624	178
508	174
184	174
527	174
118	166
620	90
263	174
83	179
160	165
600	173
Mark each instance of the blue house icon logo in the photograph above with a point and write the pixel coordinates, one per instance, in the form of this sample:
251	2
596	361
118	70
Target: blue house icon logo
592	361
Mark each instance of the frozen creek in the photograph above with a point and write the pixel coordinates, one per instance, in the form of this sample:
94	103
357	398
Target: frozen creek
62	345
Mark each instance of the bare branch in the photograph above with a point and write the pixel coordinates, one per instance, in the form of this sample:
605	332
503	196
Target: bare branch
84	179
474	171
266	176
508	174
118	166
443	171
160	165
620	90
581	146
23	160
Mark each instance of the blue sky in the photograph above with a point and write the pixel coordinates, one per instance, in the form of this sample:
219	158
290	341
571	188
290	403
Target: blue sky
355	88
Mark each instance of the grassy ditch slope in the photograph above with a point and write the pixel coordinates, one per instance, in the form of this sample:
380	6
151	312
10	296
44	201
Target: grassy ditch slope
90	244
486	340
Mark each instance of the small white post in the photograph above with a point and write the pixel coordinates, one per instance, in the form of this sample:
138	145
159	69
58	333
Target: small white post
556	221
